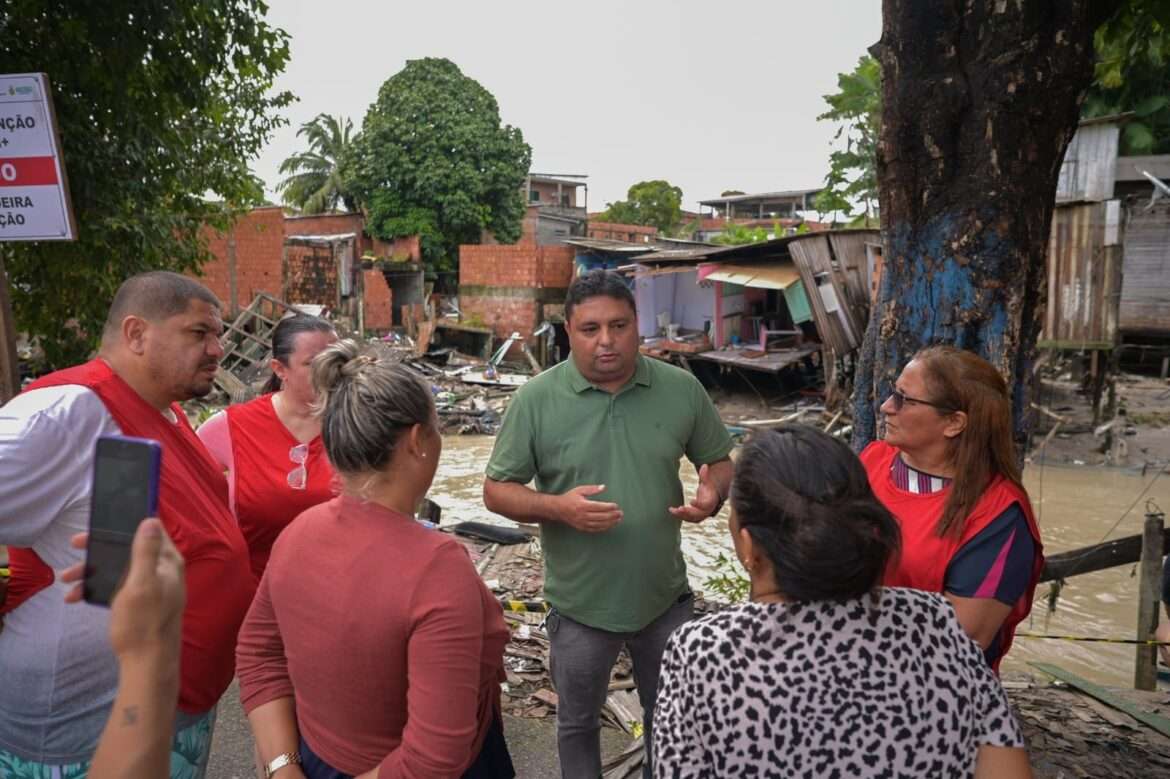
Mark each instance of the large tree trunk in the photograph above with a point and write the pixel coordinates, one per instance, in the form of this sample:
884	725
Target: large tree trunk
980	99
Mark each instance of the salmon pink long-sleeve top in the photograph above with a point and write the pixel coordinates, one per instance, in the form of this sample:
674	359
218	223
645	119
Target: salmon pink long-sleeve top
386	637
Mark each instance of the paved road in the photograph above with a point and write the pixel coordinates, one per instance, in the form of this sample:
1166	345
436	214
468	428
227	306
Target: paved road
532	743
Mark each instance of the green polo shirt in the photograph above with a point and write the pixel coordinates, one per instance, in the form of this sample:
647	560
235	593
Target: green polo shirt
566	433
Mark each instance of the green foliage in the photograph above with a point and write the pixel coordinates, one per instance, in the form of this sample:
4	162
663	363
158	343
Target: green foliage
433	159
621	212
158	106
657	203
852	177
728	582
736	235
314	184
1133	74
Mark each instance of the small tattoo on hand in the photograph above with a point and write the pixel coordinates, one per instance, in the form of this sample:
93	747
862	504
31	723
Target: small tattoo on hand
130	715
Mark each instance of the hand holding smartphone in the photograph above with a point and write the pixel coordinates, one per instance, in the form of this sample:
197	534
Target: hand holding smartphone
125	492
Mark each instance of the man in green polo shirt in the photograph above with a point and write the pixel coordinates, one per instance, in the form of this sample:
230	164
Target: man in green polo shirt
603	435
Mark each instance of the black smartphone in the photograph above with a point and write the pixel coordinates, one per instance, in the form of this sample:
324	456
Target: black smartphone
125	492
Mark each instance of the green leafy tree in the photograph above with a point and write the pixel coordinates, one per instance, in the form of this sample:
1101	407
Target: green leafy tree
736	234
1132	74
657	203
852	177
434	160
314	184
621	212
158	107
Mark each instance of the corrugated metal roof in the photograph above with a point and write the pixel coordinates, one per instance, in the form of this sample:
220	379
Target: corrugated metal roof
607	245
554	179
790	193
332	238
692	254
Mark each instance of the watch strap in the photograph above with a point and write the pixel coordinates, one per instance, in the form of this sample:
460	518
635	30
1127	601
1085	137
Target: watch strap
280	761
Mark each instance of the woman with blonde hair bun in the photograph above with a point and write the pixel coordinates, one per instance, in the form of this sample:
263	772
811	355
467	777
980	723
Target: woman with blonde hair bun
372	646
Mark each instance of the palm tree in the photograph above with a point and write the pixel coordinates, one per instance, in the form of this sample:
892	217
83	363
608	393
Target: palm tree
314	184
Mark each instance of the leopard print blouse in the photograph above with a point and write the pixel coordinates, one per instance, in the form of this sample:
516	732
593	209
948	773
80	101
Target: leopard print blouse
884	686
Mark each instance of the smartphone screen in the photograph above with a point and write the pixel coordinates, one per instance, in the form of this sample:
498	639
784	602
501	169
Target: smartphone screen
125	492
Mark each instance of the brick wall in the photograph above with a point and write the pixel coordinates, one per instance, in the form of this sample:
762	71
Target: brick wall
503	315
556	266
311	276
334	224
379	314
616	231
515	265
259	240
513	276
378	299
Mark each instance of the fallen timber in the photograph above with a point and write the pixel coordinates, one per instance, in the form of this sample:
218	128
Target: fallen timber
1122	551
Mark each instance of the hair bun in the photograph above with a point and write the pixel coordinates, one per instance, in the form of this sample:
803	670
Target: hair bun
353	367
329	367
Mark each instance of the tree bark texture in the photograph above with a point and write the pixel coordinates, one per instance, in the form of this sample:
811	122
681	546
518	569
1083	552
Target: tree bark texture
980	99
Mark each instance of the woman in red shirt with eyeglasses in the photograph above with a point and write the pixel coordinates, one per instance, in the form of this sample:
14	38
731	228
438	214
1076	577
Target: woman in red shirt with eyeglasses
271	446
947	470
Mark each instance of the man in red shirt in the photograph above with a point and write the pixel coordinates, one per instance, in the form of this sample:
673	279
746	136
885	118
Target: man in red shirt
160	345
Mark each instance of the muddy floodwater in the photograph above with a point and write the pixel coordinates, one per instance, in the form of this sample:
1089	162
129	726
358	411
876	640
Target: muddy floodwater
1075	507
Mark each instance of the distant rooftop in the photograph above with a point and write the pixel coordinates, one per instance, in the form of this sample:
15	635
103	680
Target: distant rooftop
787	196
570	179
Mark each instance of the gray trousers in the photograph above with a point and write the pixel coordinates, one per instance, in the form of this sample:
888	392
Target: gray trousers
581	660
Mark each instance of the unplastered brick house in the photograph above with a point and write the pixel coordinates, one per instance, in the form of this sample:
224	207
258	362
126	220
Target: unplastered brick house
254	257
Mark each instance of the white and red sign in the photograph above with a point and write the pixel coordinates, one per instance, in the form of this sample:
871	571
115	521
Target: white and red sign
34	194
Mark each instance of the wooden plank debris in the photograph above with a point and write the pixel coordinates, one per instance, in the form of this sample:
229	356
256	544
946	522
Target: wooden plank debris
1121	551
1156	721
247	345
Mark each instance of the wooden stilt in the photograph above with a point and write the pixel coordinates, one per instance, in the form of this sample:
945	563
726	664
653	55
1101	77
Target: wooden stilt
1145	676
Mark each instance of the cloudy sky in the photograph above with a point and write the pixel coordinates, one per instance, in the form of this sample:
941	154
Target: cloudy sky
709	97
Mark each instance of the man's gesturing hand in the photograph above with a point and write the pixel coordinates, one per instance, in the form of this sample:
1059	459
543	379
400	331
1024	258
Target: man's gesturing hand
707	499
589	516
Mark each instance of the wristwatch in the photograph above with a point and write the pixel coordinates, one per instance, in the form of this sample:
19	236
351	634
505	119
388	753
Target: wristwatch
280	761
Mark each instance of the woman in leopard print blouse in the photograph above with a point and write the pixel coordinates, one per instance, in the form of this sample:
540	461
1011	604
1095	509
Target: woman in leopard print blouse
823	673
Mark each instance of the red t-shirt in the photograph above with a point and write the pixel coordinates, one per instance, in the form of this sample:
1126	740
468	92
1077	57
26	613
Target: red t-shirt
385	635
262	463
925	555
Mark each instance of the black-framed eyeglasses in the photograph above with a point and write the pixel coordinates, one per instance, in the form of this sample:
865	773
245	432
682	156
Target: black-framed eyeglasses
901	399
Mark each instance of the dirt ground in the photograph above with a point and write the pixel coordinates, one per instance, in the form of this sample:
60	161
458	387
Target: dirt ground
1143	422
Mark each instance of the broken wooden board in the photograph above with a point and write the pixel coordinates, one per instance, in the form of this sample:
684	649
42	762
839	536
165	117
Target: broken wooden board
247	345
1144	715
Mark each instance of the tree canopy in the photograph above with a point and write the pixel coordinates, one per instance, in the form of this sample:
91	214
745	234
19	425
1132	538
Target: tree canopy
657	203
433	159
1132	74
314	183
159	107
